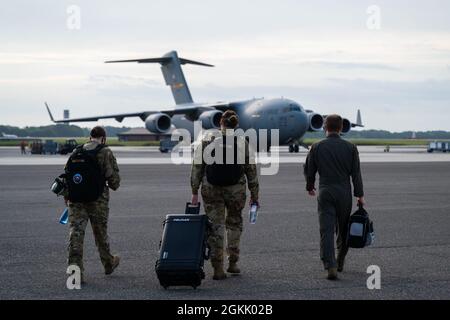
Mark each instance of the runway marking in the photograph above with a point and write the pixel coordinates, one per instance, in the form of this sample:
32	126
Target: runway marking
151	156
365	158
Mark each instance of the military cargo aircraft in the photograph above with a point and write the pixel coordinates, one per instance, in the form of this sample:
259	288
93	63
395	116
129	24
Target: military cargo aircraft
289	117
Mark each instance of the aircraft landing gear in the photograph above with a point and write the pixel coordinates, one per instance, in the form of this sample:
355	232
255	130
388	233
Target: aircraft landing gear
294	148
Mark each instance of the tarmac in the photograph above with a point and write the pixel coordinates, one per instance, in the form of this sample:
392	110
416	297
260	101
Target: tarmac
408	201
152	155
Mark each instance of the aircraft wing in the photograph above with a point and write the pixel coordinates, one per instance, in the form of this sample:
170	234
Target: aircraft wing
191	110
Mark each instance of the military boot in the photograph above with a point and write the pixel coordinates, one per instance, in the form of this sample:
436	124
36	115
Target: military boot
219	274
109	268
332	274
233	268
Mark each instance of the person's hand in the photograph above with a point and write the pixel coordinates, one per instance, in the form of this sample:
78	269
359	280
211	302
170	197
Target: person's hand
312	192
194	200
361	201
66	201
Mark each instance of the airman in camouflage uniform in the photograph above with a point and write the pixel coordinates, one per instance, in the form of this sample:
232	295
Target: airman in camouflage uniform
223	205
96	212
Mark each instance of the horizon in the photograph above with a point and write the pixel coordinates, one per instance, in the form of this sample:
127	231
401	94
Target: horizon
398	74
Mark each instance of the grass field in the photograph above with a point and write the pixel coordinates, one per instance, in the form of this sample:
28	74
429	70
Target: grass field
360	142
383	142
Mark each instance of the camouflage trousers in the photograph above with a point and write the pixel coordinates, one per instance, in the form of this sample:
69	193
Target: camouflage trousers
79	214
223	206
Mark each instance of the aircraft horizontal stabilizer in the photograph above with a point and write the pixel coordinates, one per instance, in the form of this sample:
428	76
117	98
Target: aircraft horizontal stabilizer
162	60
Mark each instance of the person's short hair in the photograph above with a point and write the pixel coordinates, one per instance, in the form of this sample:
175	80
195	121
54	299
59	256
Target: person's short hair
98	132
333	123
229	119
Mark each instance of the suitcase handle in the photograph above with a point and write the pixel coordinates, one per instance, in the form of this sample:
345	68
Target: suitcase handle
192	209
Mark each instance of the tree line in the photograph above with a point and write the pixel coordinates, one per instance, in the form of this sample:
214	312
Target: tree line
57	130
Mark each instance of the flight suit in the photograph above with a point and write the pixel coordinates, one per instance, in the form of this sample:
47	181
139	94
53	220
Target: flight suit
224	204
96	212
336	161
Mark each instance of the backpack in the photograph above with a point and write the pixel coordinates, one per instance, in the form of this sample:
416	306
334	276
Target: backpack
84	178
360	230
225	174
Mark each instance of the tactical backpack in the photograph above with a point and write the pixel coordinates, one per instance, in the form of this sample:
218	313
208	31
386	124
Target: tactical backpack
360	229
84	178
225	174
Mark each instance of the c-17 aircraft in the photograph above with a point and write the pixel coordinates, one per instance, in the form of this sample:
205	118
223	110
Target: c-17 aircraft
292	120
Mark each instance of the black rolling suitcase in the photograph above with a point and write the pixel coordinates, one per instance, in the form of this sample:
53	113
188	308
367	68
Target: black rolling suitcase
183	249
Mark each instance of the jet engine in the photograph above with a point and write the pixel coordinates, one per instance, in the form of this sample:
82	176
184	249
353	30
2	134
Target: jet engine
315	121
210	119
347	126
158	123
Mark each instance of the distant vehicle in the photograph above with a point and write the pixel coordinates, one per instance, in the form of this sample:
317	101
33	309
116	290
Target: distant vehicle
67	147
8	136
167	145
44	147
13	137
50	147
36	147
438	146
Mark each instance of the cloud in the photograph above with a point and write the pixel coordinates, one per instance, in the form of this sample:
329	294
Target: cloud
115	81
350	65
320	54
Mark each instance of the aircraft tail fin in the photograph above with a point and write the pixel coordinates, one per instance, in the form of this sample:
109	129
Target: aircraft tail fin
358	120
173	74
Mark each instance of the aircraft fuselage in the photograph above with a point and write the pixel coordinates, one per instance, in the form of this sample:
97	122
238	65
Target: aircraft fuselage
285	115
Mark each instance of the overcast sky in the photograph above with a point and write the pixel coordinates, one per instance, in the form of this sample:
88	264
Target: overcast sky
327	55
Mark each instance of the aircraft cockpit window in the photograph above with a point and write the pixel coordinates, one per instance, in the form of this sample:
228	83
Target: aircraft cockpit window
291	108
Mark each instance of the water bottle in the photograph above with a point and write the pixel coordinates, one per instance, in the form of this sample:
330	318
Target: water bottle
64	216
253	213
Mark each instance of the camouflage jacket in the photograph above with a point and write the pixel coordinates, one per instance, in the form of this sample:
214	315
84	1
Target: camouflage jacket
249	168
108	166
